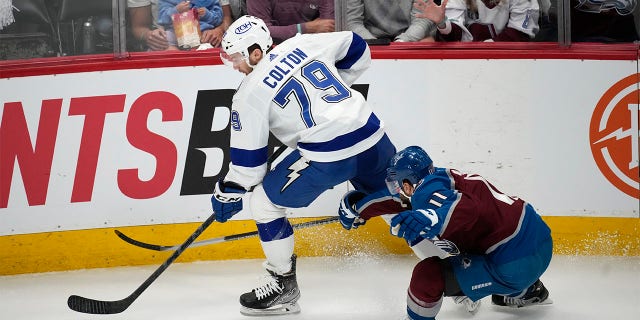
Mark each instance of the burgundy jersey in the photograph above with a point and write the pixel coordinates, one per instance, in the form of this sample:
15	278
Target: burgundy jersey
475	215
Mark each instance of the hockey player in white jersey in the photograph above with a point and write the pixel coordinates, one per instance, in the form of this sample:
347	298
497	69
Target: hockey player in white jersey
299	91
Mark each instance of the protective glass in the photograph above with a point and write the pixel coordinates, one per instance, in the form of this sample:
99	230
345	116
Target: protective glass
231	60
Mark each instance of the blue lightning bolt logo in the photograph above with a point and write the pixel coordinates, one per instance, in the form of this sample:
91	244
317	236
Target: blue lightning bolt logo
295	169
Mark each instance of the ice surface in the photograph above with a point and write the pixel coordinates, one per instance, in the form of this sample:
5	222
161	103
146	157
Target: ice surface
350	287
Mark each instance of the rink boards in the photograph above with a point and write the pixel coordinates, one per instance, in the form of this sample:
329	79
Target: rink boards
100	248
135	145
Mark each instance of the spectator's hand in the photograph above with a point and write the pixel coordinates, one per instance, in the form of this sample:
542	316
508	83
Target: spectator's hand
183	6
320	25
156	40
202	11
430	10
212	36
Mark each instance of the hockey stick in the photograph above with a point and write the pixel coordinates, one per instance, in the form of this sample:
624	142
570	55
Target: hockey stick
157	247
87	305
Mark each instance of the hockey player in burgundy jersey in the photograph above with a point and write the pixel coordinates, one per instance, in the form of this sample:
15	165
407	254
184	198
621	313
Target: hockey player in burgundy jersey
498	245
300	91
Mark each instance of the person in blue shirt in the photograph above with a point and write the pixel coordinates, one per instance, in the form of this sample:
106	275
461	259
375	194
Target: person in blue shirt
210	15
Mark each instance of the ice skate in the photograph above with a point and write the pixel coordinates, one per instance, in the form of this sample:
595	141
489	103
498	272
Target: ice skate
536	294
277	295
471	306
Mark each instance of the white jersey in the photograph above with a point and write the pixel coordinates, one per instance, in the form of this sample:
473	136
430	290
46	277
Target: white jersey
300	91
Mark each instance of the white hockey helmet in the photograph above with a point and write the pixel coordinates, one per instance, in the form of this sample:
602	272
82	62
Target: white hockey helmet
242	34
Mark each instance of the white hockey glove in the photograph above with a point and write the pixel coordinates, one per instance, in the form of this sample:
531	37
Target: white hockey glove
424	248
349	217
226	200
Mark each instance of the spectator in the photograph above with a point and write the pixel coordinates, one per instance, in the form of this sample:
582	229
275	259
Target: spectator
209	13
393	20
548	22
287	18
478	20
238	8
214	36
144	24
6	14
603	21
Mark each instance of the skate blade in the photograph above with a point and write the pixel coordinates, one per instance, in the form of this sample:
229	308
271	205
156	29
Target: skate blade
543	303
473	307
289	308
469	306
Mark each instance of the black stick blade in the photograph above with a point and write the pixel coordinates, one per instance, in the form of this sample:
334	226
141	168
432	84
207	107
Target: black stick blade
86	305
141	244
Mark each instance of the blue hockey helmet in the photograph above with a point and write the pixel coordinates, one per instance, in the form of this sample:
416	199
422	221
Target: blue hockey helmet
411	164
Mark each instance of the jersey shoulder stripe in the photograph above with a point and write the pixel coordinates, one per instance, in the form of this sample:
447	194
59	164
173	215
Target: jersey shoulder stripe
356	50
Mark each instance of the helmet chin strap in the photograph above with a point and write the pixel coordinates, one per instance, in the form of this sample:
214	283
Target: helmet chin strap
408	197
405	199
405	195
264	53
248	60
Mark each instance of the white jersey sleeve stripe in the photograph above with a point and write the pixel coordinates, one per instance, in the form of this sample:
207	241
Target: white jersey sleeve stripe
249	158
